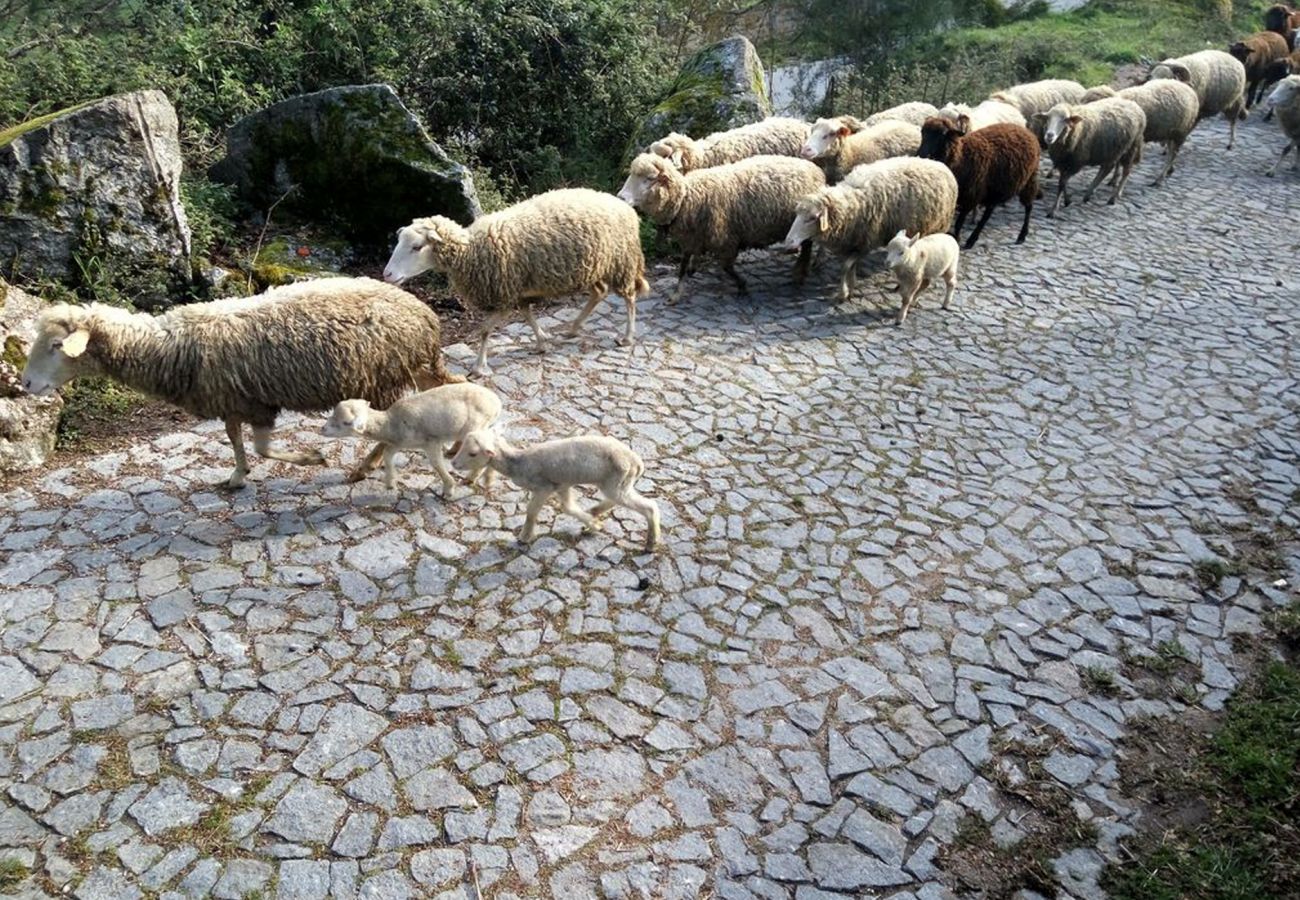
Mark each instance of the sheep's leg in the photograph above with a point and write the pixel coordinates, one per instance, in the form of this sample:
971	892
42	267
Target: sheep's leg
1271	172
683	269
1127	170
566	503
235	432
390	467
908	301
1237	110
1171	151
262	444
961	221
729	266
629	333
1028	203
539	332
602	508
805	261
950	285
372	460
481	369
979	227
1102	172
1062	180
849	277
535	504
576	324
646	508
435	454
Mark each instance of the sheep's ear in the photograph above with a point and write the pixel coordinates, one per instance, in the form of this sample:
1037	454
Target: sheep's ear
844	131
963	124
662	178
1182	74
75	344
1074	120
824	220
677	158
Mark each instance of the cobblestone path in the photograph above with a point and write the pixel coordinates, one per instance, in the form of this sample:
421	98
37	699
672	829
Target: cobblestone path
896	562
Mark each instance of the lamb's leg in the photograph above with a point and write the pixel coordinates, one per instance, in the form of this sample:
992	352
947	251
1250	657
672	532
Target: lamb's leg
647	508
979	227
1271	172
908	301
1102	172
390	467
539	332
576	324
805	261
481	369
535	504
373	458
566	503
729	266
435	454
950	285
262	444
683	269
235	432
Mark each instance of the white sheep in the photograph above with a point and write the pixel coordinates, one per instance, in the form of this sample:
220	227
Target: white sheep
1285	100
1040	96
773	136
841	144
556	467
990	112
1218	79
425	421
915	112
1107	134
562	242
1171	108
917	261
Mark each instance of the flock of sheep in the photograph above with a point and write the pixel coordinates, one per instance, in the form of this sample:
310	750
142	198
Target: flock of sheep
898	180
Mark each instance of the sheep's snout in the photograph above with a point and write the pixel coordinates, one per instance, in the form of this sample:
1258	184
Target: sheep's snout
36	387
392	277
807	152
626	196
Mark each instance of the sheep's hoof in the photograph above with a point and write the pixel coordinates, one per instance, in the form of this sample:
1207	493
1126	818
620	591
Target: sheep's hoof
481	372
313	458
231	484
357	474
1269	173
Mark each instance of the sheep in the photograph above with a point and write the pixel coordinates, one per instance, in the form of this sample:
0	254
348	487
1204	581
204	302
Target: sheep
557	243
1099	92
916	261
1218	79
1106	134
990	112
724	209
1285	99
915	112
1256	53
991	165
302	347
556	467
839	145
1282	19
1040	96
1277	70
871	205
773	136
1170	108
424	421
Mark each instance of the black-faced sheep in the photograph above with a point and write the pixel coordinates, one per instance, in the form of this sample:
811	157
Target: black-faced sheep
1282	19
842	144
1107	134
1256	54
722	210
863	212
774	136
304	347
1219	82
559	243
991	165
1285	99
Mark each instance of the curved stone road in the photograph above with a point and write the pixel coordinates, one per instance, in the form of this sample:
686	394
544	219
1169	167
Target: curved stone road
894	559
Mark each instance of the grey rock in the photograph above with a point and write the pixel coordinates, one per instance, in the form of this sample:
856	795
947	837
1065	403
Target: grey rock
842	867
242	877
434	868
303	879
168	805
307	814
345	729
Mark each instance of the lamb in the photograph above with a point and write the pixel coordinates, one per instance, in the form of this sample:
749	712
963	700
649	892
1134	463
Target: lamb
561	242
1170	108
303	347
1282	19
874	203
1040	96
990	112
556	467
724	209
839	145
917	261
991	165
915	112
1219	82
1100	92
1107	134
1256	54
1285	99
424	421
773	136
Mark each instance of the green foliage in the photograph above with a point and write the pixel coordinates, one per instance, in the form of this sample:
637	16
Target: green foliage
12	873
88	402
210	209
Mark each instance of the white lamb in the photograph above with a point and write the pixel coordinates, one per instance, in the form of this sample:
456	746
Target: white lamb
555	467
917	261
426	421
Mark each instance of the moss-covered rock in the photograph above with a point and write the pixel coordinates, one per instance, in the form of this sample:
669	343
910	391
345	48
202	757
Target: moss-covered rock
284	260
721	87
90	197
354	158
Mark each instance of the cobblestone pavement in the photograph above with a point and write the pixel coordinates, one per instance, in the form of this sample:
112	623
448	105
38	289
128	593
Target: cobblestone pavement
894	559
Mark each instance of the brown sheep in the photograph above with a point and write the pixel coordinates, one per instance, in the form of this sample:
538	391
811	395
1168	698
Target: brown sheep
1282	19
991	164
1256	53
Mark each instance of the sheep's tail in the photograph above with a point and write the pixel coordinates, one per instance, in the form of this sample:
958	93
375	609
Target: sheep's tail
436	374
642	287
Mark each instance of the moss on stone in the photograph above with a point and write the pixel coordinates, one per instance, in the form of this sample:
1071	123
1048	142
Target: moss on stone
13	353
8	135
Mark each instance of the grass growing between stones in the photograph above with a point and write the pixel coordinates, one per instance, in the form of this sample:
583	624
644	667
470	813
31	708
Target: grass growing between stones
12	872
1224	803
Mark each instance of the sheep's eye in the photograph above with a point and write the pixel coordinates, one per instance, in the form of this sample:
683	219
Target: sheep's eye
56	344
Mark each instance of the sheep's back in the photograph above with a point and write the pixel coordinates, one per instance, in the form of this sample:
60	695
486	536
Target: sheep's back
996	163
1109	129
915	112
774	136
1171	108
919	195
748	204
1218	79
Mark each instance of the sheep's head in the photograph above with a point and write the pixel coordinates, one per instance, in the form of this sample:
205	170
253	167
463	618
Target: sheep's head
1287	90
679	149
897	248
1060	119
812	218
1240	51
476	451
58	353
647	173
826	134
420	247
939	134
348	419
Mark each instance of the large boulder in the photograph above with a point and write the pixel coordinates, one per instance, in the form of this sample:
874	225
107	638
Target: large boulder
93	193
721	87
28	424
354	156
